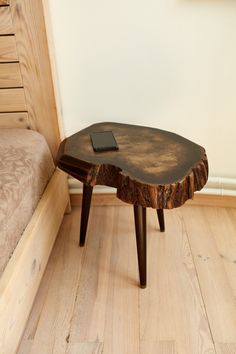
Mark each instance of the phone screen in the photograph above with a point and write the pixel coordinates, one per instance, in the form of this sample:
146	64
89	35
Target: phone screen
103	141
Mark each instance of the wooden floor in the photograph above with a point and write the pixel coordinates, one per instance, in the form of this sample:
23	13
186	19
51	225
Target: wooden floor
90	303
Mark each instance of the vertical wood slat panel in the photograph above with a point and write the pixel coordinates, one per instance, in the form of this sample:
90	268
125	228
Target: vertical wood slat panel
14	120
12	100
32	49
8	49
10	75
5	20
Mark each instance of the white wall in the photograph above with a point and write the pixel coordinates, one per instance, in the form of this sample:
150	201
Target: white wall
163	63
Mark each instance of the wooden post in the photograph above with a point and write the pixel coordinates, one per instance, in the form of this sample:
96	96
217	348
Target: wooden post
87	195
140	228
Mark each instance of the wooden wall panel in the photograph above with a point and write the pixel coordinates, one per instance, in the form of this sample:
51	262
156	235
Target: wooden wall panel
12	100
10	75
14	120
7	49
5	20
31	41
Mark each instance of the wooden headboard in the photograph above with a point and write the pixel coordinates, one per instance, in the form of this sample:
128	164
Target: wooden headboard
27	97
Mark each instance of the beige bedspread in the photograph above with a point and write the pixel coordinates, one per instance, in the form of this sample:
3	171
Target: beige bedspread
26	166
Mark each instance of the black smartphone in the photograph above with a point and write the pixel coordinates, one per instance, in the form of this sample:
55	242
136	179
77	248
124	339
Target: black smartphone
103	141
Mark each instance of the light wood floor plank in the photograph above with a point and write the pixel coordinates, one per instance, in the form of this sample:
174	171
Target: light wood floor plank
53	325
207	246
85	348
90	303
122	317
171	308
25	346
31	327
224	232
90	307
107	298
162	347
226	348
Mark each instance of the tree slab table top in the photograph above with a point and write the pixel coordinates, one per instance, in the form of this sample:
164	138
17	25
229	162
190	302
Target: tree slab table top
152	168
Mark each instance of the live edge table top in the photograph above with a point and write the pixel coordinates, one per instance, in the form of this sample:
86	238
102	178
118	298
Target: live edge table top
152	168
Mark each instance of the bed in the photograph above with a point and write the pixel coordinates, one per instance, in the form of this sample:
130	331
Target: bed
26	167
33	193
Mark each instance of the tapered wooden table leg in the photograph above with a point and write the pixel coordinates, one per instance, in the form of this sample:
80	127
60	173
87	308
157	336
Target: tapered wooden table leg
86	201
160	214
140	228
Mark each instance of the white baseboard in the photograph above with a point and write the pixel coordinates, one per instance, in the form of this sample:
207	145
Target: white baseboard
219	186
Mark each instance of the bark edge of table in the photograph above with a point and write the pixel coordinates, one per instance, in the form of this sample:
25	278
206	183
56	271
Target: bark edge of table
129	190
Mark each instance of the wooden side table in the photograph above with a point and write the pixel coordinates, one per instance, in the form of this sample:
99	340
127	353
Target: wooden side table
153	168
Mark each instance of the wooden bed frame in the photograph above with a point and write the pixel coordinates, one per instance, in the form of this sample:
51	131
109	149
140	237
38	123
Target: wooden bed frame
27	100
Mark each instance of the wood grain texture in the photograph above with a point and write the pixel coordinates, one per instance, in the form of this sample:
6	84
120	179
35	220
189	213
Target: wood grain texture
10	75
20	280
161	171
32	48
161	347
8	51
104	306
225	238
29	333
110	312
93	290
226	348
5	20
14	120
60	302
211	262
54	336
178	313
99	199
85	348
224	201
12	100
199	199
108	280
25	347
51	48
